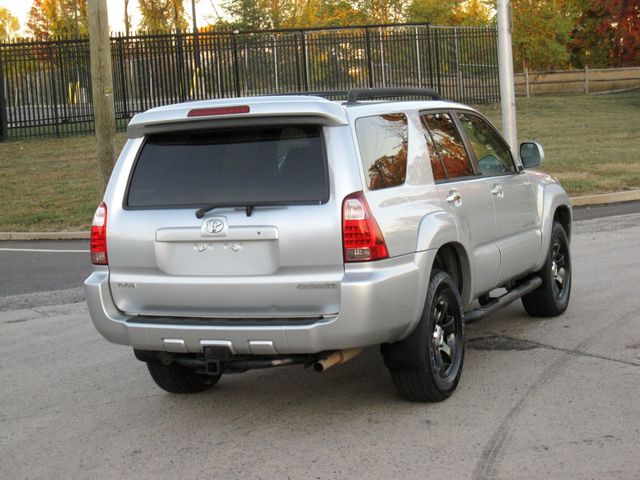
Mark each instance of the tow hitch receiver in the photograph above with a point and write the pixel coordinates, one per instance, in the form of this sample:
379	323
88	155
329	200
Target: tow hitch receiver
214	358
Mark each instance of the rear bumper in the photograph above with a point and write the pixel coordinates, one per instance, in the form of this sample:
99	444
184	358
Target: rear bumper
380	302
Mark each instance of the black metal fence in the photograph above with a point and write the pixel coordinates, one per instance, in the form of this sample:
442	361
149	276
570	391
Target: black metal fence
45	87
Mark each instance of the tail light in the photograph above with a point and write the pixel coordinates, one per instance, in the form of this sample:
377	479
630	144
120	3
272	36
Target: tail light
362	240
99	236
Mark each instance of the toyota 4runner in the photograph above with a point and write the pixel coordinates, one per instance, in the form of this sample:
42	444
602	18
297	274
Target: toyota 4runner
258	232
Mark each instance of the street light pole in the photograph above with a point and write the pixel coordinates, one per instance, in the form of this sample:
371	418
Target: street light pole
505	68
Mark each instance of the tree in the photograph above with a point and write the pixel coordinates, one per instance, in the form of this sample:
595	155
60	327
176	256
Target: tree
436	12
473	13
382	11
541	33
57	18
324	13
262	14
162	15
9	24
127	18
606	33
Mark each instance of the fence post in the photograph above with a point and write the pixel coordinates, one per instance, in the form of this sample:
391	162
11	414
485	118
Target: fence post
438	64
586	80
3	104
382	63
526	82
458	69
418	58
297	59
236	62
428	30
275	62
123	77
54	97
184	73
369	59
305	60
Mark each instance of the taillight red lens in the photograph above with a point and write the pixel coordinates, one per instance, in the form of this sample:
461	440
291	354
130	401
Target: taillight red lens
362	240
99	236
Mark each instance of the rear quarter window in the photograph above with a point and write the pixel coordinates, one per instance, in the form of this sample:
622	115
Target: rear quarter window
383	144
254	165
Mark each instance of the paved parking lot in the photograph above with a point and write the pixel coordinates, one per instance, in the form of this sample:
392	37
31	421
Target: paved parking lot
555	399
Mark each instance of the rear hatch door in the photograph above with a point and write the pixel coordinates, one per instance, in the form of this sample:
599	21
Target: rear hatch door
268	243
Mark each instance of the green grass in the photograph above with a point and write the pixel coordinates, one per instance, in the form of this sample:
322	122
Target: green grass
592	145
49	184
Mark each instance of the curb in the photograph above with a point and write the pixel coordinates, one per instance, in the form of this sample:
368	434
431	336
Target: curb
581	201
606	198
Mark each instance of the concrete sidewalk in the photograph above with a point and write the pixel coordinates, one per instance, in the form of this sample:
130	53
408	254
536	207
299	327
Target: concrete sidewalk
580	201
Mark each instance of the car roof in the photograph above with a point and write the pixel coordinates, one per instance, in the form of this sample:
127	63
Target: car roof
332	112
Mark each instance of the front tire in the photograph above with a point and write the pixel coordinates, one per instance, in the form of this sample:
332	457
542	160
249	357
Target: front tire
436	347
175	378
552	297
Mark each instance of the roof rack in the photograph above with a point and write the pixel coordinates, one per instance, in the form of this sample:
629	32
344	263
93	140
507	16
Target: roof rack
374	93
356	94
323	94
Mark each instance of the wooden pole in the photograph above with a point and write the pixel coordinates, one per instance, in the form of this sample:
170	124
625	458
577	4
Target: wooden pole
102	86
586	80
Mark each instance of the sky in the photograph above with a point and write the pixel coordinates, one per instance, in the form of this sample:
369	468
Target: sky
205	12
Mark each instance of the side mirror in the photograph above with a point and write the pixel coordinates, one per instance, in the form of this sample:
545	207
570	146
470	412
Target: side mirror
531	154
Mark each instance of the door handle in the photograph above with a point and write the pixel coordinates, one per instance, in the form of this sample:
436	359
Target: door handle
455	198
497	190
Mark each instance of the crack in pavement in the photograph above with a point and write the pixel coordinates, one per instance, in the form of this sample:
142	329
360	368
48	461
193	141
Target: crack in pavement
546	346
486	465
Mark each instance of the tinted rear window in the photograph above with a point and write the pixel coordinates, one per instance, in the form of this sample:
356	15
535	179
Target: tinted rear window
249	166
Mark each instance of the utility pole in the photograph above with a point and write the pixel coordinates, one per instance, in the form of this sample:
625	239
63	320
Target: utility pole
102	86
505	68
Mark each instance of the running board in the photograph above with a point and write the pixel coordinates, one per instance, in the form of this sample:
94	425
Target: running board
520	291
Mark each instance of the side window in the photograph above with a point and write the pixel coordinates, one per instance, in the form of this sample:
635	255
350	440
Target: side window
382	140
445	145
492	153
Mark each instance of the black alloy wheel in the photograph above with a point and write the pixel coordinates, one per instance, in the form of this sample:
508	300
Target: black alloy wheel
552	297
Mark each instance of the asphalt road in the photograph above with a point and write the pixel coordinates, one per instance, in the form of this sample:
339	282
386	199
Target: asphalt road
37	266
61	266
539	398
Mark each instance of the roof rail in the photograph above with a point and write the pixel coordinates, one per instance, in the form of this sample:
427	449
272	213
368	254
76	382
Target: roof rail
372	93
324	94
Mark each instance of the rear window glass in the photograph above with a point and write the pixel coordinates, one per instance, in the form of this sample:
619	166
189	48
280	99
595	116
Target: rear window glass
249	166
382	140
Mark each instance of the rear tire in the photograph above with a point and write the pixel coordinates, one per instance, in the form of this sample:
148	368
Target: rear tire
175	378
438	353
552	297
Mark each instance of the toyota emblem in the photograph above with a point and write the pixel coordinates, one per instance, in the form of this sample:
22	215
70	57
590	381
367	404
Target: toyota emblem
214	225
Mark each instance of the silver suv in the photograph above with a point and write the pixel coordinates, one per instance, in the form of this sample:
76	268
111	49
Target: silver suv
258	232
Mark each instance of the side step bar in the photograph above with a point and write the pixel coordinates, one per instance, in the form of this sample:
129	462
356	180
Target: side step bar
520	291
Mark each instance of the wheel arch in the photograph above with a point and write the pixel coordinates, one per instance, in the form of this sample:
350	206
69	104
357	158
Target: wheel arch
452	258
562	215
439	231
555	207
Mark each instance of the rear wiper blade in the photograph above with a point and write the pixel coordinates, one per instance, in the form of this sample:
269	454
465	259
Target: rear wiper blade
201	211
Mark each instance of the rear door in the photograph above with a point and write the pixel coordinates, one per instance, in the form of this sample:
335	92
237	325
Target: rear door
518	226
270	245
465	195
